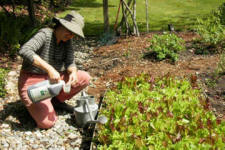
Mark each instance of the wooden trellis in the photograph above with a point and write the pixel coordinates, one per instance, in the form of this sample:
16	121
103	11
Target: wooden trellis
128	10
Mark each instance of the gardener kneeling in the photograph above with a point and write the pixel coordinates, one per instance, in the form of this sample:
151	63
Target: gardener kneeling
49	55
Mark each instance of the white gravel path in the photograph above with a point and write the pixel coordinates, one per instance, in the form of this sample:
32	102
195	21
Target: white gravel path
18	131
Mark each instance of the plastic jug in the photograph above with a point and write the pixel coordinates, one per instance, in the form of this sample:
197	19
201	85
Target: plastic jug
44	90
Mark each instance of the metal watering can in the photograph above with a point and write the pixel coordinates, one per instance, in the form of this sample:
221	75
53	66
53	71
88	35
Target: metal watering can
86	110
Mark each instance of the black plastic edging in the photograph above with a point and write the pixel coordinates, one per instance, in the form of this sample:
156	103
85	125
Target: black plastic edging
96	117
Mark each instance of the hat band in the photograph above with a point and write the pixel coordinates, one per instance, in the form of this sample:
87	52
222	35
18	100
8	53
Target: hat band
69	17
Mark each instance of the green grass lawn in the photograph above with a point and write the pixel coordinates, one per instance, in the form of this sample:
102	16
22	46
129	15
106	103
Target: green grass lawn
181	13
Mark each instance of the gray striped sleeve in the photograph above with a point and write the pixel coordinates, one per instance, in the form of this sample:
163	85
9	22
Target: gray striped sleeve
28	50
69	62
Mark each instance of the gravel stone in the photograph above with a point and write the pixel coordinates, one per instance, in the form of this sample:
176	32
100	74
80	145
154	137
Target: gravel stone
72	136
4	125
35	146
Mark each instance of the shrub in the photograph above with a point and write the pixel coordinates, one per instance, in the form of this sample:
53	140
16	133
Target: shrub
212	30
166	46
3	73
13	32
16	29
221	13
161	113
9	33
221	65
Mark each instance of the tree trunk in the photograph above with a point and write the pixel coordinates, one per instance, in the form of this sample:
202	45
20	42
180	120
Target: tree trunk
38	2
117	15
136	31
146	6
134	14
51	4
106	15
31	11
13	6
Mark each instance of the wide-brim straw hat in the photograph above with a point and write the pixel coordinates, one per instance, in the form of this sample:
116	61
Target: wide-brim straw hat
74	22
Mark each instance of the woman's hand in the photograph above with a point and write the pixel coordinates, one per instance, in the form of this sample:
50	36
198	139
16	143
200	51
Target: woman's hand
54	75
73	78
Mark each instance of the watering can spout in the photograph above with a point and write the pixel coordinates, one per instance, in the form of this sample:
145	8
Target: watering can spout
101	120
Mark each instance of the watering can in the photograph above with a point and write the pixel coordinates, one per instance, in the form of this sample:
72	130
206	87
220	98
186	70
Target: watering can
86	110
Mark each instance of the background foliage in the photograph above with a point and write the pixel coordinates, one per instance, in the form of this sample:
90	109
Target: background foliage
14	31
212	32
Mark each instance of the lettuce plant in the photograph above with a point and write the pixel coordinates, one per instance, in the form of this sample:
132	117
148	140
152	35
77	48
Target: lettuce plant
159	113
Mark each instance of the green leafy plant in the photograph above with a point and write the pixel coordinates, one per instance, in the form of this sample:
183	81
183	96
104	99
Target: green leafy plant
221	65
212	31
221	13
13	31
210	82
3	73
159	113
166	46
16	29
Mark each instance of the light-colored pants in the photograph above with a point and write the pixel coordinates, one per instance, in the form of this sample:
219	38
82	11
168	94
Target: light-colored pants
43	112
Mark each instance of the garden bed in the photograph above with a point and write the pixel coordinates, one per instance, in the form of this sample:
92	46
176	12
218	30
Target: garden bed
156	113
125	58
107	65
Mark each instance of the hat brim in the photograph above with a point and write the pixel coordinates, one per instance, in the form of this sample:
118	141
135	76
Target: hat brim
75	28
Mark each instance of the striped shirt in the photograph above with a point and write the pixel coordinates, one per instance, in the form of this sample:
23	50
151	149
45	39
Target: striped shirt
44	44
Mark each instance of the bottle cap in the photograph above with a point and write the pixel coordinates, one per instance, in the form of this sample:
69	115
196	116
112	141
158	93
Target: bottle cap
67	87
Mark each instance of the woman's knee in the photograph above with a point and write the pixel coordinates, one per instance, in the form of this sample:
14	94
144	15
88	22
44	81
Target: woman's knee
84	78
43	113
46	124
87	79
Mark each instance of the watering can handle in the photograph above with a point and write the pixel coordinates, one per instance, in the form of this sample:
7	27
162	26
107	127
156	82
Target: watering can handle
83	93
92	118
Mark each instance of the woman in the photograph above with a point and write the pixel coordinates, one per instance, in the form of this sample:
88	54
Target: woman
49	55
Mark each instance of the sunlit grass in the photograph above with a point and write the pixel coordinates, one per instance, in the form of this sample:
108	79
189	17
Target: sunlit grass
182	14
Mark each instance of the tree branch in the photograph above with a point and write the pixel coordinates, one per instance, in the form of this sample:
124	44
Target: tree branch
132	16
118	11
124	14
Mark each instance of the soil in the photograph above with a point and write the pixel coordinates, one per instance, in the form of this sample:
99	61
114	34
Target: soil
128	57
